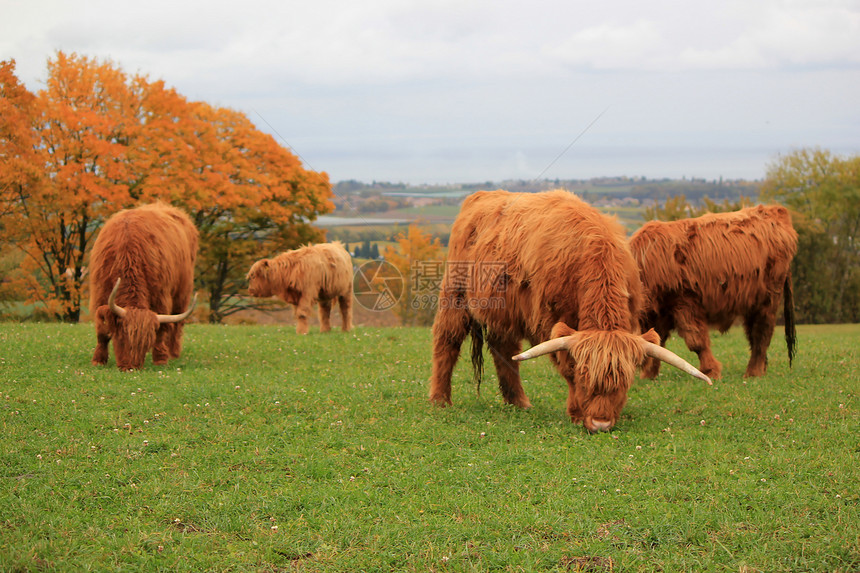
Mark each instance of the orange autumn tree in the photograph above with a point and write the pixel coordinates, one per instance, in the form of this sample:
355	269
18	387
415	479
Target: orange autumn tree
106	141
250	199
418	257
77	132
18	175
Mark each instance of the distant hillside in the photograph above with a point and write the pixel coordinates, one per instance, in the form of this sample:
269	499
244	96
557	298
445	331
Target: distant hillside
378	210
645	190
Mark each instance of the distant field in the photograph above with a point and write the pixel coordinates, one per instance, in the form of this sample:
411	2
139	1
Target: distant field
261	450
430	212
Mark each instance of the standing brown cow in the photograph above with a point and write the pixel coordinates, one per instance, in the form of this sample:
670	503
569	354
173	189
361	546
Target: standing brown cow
141	274
708	271
302	277
544	267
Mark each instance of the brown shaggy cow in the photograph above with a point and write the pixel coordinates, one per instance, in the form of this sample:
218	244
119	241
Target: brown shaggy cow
141	275
302	277
708	271
544	267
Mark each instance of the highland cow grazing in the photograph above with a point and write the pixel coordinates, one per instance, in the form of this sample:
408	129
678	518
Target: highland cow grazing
302	277
709	271
141	279
549	268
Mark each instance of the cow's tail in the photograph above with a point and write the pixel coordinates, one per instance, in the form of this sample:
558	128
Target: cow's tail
788	316
477	333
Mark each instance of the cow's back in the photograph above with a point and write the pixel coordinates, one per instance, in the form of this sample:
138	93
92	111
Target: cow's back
325	269
731	260
549	256
152	248
336	269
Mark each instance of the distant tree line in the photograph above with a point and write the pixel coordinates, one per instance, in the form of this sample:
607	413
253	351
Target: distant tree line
365	250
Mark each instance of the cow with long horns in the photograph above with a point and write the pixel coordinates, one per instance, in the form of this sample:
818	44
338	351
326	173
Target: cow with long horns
141	280
550	269
709	271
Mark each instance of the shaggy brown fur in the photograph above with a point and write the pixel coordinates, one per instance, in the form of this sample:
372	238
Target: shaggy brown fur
542	265
152	249
706	272
302	277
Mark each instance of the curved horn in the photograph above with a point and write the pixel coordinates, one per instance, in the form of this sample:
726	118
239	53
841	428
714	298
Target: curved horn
669	357
554	345
169	318
117	309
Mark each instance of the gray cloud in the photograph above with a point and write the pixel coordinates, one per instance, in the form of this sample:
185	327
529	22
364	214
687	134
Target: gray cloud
477	90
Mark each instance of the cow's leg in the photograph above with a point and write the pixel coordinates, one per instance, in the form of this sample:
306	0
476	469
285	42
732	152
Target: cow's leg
663	327
759	325
508	371
174	334
325	315
345	302
174	340
161	352
303	311
693	328
565	365
100	356
450	329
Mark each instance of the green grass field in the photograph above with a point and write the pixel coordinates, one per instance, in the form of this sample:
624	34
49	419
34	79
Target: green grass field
260	450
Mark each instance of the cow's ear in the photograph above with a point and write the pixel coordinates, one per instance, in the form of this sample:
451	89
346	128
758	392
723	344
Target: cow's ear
652	337
561	329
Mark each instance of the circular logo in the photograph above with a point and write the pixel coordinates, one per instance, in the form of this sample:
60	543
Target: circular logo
377	285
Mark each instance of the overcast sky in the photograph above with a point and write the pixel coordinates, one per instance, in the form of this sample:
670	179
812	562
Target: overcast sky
471	91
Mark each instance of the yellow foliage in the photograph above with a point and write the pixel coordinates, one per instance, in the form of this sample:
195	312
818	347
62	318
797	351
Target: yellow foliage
421	263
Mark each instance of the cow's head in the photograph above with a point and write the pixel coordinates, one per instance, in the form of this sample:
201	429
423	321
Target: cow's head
602	365
134	329
259	283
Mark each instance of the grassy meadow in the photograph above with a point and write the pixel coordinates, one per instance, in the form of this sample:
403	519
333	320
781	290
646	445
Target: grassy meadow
260	450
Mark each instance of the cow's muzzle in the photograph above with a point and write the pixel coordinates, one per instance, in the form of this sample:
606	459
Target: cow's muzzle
594	426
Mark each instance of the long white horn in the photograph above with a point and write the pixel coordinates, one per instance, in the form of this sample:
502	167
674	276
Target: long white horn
669	357
117	309
554	345
168	318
